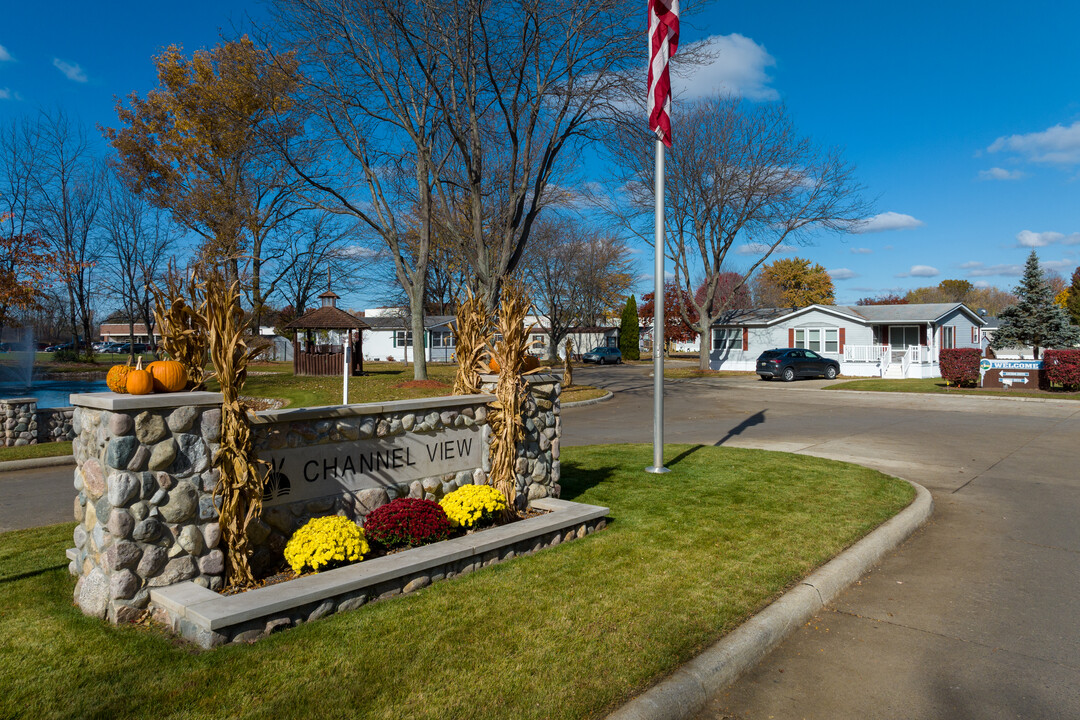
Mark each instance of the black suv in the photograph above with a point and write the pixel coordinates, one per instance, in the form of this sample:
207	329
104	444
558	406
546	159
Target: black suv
790	363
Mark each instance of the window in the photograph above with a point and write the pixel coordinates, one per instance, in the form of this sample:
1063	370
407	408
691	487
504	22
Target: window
818	339
832	340
442	338
727	339
948	336
403	338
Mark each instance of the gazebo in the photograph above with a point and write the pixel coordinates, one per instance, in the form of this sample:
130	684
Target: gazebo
310	358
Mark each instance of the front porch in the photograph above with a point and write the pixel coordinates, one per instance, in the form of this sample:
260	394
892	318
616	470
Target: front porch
911	361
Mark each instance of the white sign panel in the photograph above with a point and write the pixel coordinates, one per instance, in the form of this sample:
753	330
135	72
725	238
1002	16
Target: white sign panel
314	471
988	364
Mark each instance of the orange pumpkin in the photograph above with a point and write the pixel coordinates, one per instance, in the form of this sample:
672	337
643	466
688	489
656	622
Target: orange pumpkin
169	376
529	363
139	381
116	380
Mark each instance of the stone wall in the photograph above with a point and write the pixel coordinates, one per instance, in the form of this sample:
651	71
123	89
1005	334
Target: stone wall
145	507
24	424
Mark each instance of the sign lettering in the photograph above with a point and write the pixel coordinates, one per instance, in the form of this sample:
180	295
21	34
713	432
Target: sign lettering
305	473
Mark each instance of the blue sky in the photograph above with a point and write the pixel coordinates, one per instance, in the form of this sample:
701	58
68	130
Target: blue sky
963	119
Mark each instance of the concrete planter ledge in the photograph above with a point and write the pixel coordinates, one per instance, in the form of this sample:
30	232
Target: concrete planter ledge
115	402
354	410
210	619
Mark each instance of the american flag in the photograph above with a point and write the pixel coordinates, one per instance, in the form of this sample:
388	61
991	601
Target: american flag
663	41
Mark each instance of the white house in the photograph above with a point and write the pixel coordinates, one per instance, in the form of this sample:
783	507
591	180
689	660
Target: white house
901	341
390	336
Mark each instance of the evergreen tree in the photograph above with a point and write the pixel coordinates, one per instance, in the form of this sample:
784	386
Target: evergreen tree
629	329
1034	320
1073	302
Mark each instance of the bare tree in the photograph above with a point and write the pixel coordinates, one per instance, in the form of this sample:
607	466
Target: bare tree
524	85
577	275
368	89
140	240
737	173
18	167
67	195
318	245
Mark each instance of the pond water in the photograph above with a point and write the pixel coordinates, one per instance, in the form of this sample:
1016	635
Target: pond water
52	393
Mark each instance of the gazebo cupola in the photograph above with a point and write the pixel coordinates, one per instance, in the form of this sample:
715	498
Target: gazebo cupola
329	299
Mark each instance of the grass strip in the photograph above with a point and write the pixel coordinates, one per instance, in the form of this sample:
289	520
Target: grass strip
40	450
570	632
938	386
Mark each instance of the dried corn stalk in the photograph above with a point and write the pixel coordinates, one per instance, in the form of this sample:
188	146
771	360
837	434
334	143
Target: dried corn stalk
505	415
240	487
180	315
471	337
568	369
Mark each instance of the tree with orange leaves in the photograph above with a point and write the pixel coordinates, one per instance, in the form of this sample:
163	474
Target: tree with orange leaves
27	265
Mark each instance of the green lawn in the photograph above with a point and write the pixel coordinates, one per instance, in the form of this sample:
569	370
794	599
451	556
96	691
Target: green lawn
937	385
570	632
382	382
41	450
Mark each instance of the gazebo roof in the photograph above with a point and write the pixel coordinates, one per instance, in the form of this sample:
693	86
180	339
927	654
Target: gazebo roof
327	318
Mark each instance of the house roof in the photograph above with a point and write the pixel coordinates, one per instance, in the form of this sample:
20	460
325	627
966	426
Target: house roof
390	322
327	318
915	312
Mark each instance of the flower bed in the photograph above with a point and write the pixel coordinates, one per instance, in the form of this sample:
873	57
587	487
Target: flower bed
210	619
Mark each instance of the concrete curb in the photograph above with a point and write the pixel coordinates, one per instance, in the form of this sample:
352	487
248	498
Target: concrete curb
684	693
583	403
34	463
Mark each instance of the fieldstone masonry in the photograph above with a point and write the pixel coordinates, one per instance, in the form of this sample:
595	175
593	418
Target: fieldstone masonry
145	480
24	424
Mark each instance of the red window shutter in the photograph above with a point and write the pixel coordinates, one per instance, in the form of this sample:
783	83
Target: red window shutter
974	334
922	334
842	333
791	337
745	339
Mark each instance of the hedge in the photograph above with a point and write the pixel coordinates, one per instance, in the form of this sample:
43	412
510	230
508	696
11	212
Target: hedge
1063	368
960	366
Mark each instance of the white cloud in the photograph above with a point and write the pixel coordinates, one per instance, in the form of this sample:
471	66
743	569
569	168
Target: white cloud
861	251
982	284
887	221
5	56
1031	239
761	249
5	93
72	71
1058	145
978	269
996	173
919	271
737	67
1057	264
843	274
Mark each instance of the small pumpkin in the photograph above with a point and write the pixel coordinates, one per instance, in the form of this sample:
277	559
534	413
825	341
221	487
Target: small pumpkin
529	363
169	376
116	380
139	381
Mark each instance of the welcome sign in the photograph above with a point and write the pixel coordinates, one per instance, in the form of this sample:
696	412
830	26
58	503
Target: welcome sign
306	473
1007	374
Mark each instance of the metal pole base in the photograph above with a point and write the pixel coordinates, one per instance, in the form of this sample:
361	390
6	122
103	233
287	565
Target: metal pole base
657	470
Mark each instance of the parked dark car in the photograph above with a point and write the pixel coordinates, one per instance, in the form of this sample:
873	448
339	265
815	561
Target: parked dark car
790	363
603	356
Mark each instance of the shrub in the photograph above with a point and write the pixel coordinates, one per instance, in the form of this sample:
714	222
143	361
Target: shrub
960	366
66	355
325	543
407	521
470	504
1063	368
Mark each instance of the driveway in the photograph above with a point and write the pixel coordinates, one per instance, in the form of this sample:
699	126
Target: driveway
975	616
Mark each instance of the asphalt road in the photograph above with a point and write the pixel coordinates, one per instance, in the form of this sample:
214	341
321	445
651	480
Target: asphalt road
975	616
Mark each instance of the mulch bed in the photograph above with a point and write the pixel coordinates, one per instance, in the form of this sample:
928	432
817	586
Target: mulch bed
423	384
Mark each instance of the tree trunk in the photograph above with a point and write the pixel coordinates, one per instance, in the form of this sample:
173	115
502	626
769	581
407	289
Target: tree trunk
416	310
705	344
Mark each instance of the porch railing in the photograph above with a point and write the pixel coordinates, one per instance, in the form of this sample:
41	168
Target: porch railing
865	353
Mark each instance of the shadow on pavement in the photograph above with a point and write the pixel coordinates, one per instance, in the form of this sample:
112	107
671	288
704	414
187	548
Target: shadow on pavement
756	419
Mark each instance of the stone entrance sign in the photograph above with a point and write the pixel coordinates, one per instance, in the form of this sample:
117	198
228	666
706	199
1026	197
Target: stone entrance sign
315	471
1008	374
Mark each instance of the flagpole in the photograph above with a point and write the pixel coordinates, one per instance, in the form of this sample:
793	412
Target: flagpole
658	320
